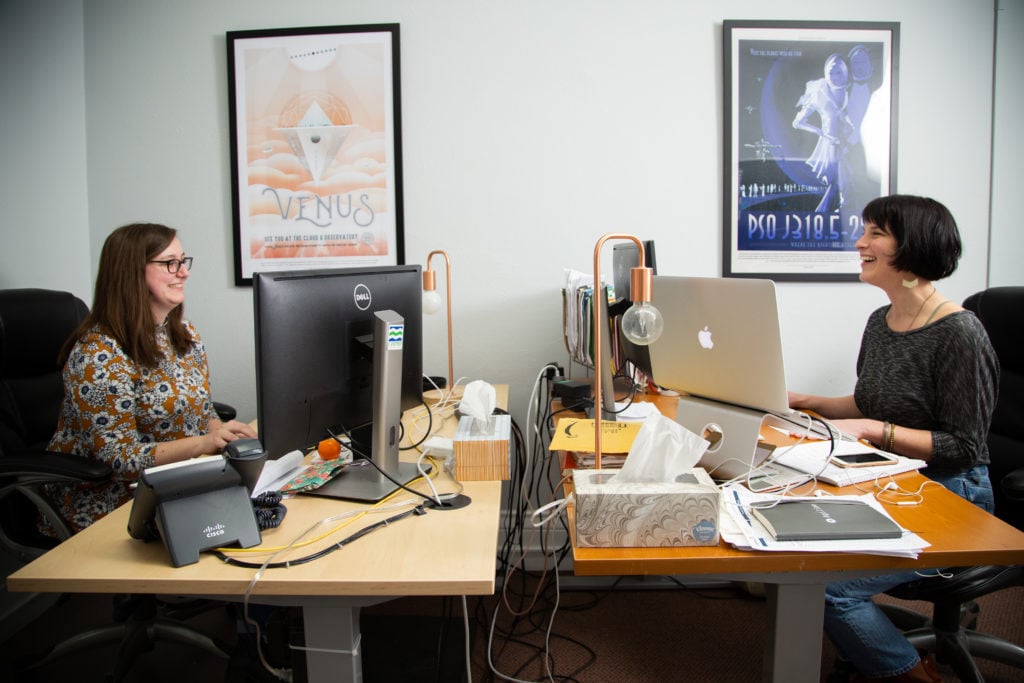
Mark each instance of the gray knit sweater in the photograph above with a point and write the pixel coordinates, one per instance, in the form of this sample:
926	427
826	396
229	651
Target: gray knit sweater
942	377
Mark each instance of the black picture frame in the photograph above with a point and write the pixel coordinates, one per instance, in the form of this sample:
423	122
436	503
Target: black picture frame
316	148
810	113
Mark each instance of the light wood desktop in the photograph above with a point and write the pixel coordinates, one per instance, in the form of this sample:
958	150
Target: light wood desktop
450	552
960	534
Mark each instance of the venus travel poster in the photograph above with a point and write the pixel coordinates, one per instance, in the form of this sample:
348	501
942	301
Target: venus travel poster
316	151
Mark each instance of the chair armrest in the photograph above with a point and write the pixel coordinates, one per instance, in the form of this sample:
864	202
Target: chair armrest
1013	484
58	466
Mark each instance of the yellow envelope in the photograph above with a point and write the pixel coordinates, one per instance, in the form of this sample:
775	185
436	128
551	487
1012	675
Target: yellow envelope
575	434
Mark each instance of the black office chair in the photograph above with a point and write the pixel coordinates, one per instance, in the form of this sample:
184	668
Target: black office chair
34	324
950	632
1001	311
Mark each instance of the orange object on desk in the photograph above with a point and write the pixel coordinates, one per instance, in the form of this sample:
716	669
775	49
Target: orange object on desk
329	449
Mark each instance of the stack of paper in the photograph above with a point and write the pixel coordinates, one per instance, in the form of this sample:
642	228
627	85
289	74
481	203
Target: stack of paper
812	457
739	528
577	310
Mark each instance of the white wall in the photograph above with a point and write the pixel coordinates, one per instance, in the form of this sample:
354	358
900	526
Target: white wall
1007	246
44	207
529	129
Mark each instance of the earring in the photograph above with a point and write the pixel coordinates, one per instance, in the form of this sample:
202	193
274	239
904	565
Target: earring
910	284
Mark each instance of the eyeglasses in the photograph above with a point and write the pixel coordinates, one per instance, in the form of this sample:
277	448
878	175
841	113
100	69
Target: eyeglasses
173	265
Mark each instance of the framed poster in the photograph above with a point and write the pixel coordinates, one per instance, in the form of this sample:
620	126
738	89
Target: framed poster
316	172
810	138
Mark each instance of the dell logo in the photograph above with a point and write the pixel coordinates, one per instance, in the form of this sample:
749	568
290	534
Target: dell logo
361	295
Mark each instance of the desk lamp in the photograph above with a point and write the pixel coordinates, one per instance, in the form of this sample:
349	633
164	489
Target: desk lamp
432	302
642	324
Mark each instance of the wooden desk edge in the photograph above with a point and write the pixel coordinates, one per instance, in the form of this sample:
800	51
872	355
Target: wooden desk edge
112	562
46	575
995	543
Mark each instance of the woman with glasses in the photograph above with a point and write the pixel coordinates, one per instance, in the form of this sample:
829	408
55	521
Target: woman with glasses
136	381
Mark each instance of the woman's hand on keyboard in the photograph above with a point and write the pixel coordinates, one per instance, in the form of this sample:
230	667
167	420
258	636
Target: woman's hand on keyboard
861	429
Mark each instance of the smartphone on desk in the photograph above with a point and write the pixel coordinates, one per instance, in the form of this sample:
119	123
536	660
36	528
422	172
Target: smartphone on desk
864	459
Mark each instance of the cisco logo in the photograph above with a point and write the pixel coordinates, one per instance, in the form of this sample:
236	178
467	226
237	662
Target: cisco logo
361	295
215	530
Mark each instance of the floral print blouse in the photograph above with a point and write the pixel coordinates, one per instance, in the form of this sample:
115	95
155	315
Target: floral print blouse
116	412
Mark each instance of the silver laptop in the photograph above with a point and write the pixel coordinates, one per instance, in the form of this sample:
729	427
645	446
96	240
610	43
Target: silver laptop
722	348
721	341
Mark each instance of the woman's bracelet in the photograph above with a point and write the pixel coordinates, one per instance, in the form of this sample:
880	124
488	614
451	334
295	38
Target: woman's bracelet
891	441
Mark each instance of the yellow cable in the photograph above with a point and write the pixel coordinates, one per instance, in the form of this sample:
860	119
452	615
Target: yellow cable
359	515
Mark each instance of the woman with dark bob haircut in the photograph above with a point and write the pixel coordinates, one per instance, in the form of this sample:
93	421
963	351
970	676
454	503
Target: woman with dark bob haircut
136	381
926	388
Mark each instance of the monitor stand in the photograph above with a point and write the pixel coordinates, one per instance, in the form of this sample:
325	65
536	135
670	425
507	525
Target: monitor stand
361	481
733	431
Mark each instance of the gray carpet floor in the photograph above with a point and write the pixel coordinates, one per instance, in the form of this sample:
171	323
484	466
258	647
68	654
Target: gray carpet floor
708	635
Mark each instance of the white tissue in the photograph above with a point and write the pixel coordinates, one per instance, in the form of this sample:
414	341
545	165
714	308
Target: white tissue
662	450
478	402
277	473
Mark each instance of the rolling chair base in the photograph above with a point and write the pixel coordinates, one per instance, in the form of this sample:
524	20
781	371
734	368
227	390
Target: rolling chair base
959	649
135	638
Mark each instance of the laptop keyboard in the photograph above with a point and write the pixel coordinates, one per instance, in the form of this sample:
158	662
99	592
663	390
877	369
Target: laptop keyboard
797	423
773	477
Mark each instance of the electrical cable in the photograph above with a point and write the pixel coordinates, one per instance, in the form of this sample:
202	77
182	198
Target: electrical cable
792	486
351	516
534	467
351	538
897	490
286	674
426	434
387	476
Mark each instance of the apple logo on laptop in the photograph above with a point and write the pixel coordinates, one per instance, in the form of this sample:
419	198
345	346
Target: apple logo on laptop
704	337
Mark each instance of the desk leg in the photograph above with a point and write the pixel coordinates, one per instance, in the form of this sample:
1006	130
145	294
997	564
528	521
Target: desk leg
333	650
793	646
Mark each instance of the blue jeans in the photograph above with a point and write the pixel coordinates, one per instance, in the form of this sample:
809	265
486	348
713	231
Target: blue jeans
859	628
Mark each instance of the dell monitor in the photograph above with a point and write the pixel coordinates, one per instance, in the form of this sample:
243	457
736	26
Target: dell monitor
315	353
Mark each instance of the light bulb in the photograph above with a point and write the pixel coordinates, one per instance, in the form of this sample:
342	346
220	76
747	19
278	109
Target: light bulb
431	301
642	323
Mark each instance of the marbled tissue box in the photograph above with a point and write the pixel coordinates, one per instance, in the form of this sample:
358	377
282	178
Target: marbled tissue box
645	514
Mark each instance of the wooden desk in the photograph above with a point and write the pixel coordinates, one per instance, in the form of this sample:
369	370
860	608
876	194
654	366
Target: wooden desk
440	553
960	534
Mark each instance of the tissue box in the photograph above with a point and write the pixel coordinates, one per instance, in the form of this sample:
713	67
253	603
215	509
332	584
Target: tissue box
481	452
645	514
